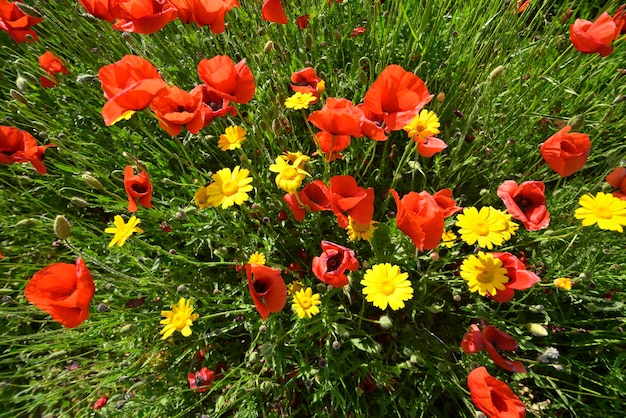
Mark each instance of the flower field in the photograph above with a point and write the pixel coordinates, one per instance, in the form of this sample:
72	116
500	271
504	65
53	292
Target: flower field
319	208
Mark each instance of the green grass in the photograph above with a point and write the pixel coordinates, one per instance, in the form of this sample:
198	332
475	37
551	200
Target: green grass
341	361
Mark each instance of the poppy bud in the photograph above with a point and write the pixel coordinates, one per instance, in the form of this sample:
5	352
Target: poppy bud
61	227
385	322
537	330
577	121
77	201
308	42
496	72
29	10
268	47
363	77
19	97
441	97
337	35
92	181
21	83
87	78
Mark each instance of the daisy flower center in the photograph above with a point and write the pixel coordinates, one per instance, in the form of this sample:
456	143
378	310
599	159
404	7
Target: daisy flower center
179	320
230	187
289	173
603	213
387	287
482	229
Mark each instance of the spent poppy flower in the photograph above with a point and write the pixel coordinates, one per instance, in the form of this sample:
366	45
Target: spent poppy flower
519	277
591	37
129	85
143	16
215	106
446	202
64	291
492	396
617	179
272	11
566	152
267	288
17	146
233	82
303	21
176	108
526	203
52	65
330	267
201	380
17	23
102	9
349	199
493	340
420	218
138	187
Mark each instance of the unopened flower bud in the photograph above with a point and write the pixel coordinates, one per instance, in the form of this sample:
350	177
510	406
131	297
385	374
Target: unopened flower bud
577	122
269	45
441	97
385	322
91	181
19	97
308	42
496	72
337	35
336	345
29	10
363	77
537	330
21	83
62	227
87	78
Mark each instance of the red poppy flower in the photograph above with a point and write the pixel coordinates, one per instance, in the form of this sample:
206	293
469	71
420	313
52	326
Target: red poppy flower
293	204
306	80
100	403
591	37
52	65
519	277
231	82
526	203
357	32
267	288
205	13
446	202
372	126
349	199
17	23
565	152
620	20
17	146
431	146
339	119
315	196
420	218
273	11
143	16
396	97
64	291
493	396
201	380
617	179
176	108
138	187
492	340
303	21
522	5
214	105
331	265
129	85
102	9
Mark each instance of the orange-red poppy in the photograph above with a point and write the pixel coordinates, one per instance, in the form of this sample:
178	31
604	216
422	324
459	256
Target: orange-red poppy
52	65
349	199
303	21
492	396
215	106
357	32
526	203
519	277
17	23
272	11
201	380
430	147
446	202
306	80
315	196
339	119
102	9
143	16
565	152
493	340
17	146
294	206
396	97
420	218
176	108
64	291
205	13
129	85
617	179
591	37
267	288
138	188
230	81
330	267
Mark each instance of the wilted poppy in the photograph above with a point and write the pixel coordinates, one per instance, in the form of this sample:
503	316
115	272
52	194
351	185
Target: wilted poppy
420	218
143	16
201	380
396	97
52	65
102	9
17	146
267	288
349	199
64	291
138	187
519	277
617	179
493	396
526	203
493	340
214	105
129	85
446	202
565	152
272	11
205	13
233	82
331	265
303	21
176	108
591	37
17	23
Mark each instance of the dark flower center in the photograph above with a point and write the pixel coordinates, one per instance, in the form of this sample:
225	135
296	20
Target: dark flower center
215	106
139	188
260	287
334	262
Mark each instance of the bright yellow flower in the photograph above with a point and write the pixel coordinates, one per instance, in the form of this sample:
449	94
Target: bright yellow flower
447	239
294	287
606	210
488	227
201	197
300	101
180	319
321	86
384	285
232	138
564	283
422	126
257	258
228	188
290	173
484	274
357	231
123	230
305	303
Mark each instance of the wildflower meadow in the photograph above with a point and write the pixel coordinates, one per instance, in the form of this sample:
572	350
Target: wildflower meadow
313	208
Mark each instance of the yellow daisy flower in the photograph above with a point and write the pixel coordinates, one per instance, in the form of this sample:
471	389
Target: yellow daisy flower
488	226
357	231
290	173
123	230
232	138
447	239
228	188
423	125
604	209
564	283
484	274
180	319
257	258
300	101
305	303
384	285
294	287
